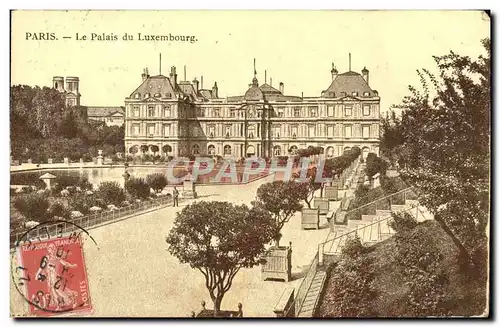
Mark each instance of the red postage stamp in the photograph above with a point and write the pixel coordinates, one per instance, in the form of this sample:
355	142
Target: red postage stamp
54	275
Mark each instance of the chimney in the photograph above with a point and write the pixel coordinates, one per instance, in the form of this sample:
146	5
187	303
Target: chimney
366	75
144	74
282	88
173	76
334	71
201	83
271	81
215	91
196	85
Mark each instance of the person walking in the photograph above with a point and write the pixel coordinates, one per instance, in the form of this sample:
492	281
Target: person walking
176	197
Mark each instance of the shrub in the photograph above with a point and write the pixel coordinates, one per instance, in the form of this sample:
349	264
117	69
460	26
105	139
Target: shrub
352	291
156	181
63	181
58	209
110	192
375	165
138	188
402	222
420	258
32	206
361	191
82	203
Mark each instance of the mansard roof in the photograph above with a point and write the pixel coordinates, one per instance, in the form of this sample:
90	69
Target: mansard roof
347	83
158	84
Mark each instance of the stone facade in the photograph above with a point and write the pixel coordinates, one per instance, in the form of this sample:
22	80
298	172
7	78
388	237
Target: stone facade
182	118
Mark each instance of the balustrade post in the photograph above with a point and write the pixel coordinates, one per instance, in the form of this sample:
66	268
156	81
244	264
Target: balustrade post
320	253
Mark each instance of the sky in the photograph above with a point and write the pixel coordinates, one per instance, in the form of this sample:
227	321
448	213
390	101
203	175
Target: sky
295	47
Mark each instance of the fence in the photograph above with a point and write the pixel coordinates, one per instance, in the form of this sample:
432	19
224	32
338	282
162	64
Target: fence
359	231
62	228
301	293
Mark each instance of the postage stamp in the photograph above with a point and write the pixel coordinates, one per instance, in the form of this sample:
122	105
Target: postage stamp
51	275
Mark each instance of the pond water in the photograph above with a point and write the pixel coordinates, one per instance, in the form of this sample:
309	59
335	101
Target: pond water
98	175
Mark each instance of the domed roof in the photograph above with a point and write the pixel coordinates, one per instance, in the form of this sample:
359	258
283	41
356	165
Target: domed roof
254	94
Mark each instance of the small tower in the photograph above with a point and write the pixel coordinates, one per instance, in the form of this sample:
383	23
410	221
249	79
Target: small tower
58	83
72	91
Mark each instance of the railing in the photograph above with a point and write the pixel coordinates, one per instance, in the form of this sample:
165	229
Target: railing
329	243
301	293
382	203
86	222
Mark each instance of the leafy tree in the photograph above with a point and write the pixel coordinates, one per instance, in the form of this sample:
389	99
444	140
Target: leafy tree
111	193
391	139
352	279
32	206
155	149
156	181
446	146
282	200
218	239
144	148
310	186
138	188
375	165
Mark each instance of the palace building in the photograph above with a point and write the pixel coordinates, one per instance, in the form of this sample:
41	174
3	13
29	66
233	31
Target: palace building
183	118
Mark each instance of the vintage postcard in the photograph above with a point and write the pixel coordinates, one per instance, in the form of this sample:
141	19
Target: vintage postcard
249	164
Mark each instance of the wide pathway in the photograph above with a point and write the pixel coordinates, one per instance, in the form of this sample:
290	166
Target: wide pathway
131	273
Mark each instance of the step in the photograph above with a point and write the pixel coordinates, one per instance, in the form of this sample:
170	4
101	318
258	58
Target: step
383	213
354	223
411	202
368	218
312	296
366	234
384	227
399	207
374	237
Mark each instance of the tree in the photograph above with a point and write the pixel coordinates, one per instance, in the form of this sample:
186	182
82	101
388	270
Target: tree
138	188
218	239
310	186
155	149
156	181
375	165
111	193
282	200
446	146
144	148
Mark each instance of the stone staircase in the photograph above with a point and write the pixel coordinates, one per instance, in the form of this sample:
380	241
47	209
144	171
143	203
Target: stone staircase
372	229
312	297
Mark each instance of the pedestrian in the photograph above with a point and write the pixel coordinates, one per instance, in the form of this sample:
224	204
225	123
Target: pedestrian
176	197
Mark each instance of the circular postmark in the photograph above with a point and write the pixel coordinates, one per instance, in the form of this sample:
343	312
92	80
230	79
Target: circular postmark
48	268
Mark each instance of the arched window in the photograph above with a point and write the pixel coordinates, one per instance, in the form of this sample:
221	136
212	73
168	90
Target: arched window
137	95
211	150
196	149
277	150
347	149
166	148
293	149
227	150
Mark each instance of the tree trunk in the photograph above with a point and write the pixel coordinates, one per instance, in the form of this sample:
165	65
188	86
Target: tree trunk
321	190
217	304
464	254
308	202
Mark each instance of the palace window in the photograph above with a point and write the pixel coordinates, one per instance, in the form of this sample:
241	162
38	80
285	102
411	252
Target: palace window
366	131
196	149
294	131
348	131
166	111
277	150
135	111
366	110
313	112
355	94
312	130
348	111
366	94
151	111
166	130
137	95
151	130
251	131
227	149
211	150
216	112
331	111
276	131
136	128
211	131
296	112
280	112
228	131
232	113
329	132
201	112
